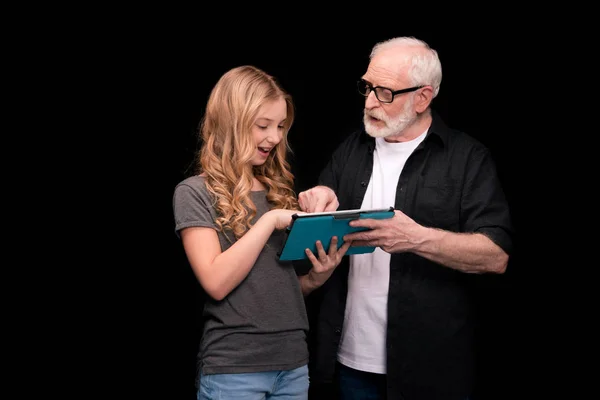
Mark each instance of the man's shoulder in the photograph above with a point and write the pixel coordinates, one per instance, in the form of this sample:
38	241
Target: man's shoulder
357	137
467	142
455	137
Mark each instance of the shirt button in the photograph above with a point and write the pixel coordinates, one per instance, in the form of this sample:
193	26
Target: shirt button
338	331
363	184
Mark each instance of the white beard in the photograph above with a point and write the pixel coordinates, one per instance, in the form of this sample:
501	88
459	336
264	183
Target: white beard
393	126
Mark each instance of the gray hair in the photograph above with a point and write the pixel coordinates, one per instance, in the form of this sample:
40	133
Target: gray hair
425	67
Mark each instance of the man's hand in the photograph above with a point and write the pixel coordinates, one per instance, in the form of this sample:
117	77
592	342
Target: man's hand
318	199
393	235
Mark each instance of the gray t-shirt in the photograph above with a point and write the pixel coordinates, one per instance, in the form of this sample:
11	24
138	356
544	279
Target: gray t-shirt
262	324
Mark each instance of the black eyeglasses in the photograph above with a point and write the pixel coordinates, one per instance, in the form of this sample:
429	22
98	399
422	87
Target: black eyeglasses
383	94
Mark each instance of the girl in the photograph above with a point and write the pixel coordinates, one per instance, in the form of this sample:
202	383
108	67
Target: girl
230	218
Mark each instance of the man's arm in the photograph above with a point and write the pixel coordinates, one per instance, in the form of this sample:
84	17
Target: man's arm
483	246
466	252
323	196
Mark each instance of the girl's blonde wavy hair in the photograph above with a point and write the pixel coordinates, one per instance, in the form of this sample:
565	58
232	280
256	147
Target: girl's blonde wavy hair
228	148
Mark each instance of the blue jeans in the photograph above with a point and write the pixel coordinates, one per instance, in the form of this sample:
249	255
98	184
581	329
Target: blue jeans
275	385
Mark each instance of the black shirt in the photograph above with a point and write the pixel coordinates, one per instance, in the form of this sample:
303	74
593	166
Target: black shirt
448	182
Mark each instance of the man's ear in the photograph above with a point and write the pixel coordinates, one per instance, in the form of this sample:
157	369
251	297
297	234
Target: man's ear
423	98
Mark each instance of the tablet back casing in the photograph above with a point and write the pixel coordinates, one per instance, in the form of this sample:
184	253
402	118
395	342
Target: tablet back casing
305	232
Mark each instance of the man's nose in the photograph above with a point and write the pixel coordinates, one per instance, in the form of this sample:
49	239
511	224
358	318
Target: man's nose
371	101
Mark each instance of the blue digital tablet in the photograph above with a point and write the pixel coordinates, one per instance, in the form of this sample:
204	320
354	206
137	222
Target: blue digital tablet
306	229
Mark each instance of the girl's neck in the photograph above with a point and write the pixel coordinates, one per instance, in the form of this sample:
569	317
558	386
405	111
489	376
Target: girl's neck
257	186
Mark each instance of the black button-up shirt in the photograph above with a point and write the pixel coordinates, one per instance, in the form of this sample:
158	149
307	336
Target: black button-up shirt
449	182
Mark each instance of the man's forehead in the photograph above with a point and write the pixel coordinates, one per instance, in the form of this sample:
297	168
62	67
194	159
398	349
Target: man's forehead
384	73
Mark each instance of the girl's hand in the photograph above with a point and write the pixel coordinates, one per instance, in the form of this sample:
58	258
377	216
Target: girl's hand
282	218
325	263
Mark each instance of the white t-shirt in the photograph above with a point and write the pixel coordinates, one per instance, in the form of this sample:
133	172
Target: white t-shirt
363	343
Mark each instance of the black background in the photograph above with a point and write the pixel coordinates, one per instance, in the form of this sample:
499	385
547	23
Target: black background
168	73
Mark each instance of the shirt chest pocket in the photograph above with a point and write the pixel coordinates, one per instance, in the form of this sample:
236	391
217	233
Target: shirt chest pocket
437	204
